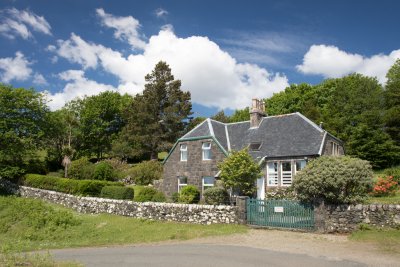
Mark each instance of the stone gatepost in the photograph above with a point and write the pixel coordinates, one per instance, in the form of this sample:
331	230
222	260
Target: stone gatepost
320	216
241	203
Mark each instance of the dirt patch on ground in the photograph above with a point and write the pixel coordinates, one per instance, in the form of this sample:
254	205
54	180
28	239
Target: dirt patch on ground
334	247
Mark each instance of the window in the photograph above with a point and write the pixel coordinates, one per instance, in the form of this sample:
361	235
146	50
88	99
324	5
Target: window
206	151
272	173
255	146
286	173
183	152
335	149
182	182
300	164
208	182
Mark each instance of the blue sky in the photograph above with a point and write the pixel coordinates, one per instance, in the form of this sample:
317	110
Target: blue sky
225	52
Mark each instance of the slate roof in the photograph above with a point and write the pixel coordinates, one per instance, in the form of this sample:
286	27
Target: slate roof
286	135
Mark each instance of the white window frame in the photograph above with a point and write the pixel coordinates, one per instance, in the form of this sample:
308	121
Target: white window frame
205	148
181	185
286	175
183	148
295	165
207	185
335	149
273	177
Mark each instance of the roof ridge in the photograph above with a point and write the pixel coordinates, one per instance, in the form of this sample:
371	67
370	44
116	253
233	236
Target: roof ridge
210	127
197	126
313	124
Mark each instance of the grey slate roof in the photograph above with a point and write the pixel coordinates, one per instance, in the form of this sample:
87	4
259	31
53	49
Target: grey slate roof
286	135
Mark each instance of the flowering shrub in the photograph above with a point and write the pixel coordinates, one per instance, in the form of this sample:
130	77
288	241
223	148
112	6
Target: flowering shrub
385	186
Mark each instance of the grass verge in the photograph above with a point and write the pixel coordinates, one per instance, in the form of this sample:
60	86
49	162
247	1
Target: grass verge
388	240
395	199
28	224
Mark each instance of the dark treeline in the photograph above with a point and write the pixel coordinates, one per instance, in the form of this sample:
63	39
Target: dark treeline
355	108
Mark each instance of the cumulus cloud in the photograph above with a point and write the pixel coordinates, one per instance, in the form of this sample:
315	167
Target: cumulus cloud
39	79
331	62
16	68
77	86
126	28
213	77
17	23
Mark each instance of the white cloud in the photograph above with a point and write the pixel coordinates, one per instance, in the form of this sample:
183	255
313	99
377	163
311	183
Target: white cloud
331	62
77	86
214	78
160	12
39	79
126	28
16	68
16	23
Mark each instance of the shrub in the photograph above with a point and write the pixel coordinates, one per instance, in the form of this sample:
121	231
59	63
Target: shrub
395	172
145	194
11	173
149	194
189	195
117	192
81	169
68	186
103	171
335	180
36	166
158	197
146	172
281	193
175	197
216	196
385	187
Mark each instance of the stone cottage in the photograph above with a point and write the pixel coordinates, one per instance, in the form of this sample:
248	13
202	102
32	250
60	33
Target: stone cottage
282	144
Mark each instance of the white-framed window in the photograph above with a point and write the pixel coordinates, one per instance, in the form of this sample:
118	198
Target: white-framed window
183	152
206	147
286	170
300	164
182	182
208	182
335	149
272	173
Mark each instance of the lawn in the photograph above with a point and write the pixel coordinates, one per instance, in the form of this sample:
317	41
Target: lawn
28	224
395	199
387	240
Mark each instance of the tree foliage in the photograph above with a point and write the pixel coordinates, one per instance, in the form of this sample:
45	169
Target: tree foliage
23	124
335	180
392	102
156	118
239	172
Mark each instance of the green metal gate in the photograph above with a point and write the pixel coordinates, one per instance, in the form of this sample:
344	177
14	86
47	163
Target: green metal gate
280	213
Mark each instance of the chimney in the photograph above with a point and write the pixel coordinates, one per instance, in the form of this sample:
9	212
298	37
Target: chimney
257	112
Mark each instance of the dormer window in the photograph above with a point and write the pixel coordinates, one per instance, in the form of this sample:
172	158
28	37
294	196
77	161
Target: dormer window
255	146
206	147
183	152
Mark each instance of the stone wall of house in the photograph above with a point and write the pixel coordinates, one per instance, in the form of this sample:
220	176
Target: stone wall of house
347	218
200	214
195	168
327	149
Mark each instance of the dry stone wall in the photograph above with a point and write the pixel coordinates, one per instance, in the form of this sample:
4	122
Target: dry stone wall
200	214
347	218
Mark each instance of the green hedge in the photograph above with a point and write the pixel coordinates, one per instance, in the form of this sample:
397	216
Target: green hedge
149	194
189	195
117	192
216	196
69	186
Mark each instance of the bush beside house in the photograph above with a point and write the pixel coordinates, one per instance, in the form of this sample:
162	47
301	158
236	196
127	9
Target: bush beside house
216	196
336	180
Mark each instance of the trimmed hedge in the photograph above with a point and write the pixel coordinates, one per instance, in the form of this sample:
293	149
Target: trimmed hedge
117	192
68	186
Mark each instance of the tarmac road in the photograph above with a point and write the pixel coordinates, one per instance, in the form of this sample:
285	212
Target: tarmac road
192	255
